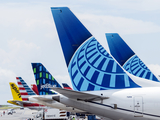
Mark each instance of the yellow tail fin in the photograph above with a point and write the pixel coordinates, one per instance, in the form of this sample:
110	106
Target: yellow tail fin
15	91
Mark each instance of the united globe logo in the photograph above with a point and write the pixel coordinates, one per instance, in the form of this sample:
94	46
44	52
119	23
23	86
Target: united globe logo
92	68
136	67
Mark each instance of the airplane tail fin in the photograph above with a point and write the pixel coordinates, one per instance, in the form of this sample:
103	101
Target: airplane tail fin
66	86
90	66
127	58
34	88
25	90
74	33
44	79
15	91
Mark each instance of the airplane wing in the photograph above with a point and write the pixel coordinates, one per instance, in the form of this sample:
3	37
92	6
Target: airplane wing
19	102
42	98
78	95
22	102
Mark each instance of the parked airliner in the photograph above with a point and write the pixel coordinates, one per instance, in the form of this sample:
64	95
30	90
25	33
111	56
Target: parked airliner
108	90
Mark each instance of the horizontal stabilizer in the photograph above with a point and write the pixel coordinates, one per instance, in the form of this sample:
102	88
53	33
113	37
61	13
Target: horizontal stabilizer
18	102
39	98
78	95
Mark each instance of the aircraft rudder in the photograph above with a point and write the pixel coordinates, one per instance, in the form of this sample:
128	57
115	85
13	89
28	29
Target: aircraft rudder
15	91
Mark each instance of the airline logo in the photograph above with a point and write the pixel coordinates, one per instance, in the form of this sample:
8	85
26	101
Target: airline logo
127	58
46	86
92	68
16	90
44	79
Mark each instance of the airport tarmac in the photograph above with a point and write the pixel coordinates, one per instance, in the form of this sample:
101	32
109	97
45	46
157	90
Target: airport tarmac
19	115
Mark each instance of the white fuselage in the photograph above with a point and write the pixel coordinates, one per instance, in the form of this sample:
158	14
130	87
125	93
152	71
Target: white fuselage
126	104
52	103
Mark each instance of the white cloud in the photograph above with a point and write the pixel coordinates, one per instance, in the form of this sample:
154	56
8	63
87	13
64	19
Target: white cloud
139	5
29	35
155	68
63	79
17	52
120	25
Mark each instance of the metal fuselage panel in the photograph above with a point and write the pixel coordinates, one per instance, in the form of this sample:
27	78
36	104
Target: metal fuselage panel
126	104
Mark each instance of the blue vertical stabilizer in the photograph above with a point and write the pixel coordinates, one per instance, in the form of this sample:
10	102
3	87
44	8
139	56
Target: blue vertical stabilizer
127	58
71	31
90	66
118	48
44	79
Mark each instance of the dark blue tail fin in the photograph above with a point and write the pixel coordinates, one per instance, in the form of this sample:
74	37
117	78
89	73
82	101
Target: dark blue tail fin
44	79
90	66
127	58
71	31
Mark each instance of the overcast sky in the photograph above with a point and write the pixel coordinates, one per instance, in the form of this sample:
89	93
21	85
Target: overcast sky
28	34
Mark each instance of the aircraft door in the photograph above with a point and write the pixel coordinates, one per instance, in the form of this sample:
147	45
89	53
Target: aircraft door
138	106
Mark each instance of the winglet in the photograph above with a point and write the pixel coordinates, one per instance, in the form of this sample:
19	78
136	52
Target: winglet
72	33
15	91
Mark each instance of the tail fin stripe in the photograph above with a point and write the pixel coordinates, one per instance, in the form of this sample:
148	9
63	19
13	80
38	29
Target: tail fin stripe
151	77
96	64
91	54
25	99
141	75
24	93
83	68
148	75
81	65
101	64
105	65
138	70
135	68
80	83
19	83
100	78
21	88
112	81
96	59
84	86
77	78
93	57
127	84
